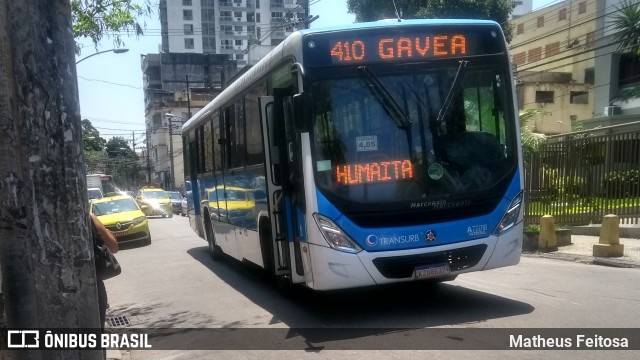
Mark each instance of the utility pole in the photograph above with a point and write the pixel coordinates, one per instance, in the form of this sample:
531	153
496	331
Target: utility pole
172	177
188	97
48	274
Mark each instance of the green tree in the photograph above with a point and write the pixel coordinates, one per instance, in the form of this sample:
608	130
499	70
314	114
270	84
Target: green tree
626	25
95	19
122	163
497	10
532	142
91	137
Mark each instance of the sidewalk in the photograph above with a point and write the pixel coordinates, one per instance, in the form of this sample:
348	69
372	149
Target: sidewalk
581	250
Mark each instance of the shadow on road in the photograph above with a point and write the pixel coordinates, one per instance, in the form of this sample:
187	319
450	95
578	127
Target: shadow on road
407	305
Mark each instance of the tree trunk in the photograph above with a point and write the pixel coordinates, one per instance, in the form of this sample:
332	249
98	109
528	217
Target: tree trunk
48	277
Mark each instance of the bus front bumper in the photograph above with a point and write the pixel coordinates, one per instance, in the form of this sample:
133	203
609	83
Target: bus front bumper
334	269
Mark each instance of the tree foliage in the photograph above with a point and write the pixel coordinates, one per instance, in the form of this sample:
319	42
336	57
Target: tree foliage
91	137
532	142
122	163
497	10
96	19
626	25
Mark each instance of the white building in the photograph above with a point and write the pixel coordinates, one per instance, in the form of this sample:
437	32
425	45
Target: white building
244	29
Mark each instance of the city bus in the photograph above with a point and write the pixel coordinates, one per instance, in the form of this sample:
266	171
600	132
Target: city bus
362	155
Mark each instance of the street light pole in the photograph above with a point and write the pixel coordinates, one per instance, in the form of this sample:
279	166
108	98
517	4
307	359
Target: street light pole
117	51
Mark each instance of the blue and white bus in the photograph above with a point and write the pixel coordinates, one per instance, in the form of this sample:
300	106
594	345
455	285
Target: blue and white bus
366	154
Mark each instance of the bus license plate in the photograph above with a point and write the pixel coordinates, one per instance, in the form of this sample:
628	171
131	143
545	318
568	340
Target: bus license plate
432	271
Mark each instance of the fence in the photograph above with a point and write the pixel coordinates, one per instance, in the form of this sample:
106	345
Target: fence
581	176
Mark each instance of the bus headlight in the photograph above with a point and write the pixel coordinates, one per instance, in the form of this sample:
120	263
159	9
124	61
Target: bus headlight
337	239
510	216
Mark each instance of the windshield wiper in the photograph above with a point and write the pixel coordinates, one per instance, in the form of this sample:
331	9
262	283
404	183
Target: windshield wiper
385	99
462	68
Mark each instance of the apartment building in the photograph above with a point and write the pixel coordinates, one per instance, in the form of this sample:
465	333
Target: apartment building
179	84
243	29
552	52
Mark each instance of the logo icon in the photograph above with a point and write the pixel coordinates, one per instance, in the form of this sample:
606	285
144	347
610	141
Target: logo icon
23	339
430	235
118	226
372	240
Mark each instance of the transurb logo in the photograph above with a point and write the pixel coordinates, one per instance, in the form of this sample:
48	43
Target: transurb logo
430	235
372	240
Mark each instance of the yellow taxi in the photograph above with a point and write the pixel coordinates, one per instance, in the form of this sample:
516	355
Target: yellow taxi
123	218
155	201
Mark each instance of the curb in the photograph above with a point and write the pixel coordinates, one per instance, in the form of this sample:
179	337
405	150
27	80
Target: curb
584	259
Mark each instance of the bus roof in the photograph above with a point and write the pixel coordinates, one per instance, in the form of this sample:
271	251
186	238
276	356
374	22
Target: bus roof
395	22
288	47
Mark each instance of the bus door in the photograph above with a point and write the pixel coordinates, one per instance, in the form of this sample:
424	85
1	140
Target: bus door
276	121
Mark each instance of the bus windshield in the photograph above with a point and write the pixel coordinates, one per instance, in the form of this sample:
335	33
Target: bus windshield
413	132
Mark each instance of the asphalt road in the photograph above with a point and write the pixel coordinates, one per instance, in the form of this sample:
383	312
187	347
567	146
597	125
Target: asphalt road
173	283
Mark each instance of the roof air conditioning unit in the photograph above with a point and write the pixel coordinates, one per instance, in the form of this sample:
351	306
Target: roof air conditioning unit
612	110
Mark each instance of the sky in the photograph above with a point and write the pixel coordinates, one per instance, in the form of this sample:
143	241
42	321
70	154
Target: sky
110	85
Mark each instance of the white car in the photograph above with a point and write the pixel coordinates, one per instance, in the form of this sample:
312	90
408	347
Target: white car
94	193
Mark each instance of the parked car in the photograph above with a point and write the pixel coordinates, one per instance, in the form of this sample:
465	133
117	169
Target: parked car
176	201
122	216
154	201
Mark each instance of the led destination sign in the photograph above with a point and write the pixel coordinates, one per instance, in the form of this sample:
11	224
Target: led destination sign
374	172
401	48
406	44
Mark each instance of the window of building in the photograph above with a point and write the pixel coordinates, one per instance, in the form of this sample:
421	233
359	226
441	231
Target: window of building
257	4
579	97
226	44
520	29
562	14
251	17
257	17
225	2
237	14
540	21
258	32
590	41
186	2
582	7
226	29
188	43
629	70
546	97
239	56
187	15
534	54
238	42
188	29
208	43
520	58
589	76
225	16
208	29
208	15
277	15
207	3
552	49
238	29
